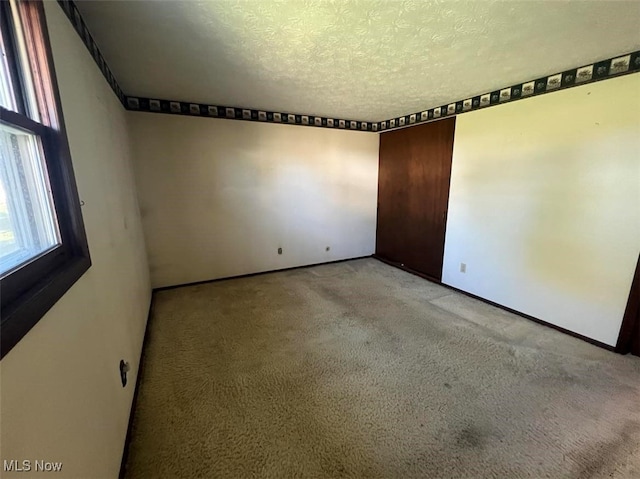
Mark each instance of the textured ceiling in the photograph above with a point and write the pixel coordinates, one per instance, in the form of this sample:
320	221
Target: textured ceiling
358	59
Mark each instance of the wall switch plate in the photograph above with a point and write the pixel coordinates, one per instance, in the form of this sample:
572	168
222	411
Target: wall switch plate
463	267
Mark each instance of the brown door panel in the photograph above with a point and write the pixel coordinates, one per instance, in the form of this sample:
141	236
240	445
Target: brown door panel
629	339
413	193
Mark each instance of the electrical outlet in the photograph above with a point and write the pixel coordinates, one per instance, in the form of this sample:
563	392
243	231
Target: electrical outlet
463	267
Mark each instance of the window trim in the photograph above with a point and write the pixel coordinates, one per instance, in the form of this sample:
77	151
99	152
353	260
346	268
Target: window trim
27	293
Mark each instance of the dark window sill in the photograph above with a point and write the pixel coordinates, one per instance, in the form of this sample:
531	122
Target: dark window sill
21	315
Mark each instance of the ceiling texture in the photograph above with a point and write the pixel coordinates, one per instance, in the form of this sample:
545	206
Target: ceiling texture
367	60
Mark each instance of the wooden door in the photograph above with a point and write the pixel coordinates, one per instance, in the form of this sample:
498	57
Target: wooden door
635	339
629	339
413	193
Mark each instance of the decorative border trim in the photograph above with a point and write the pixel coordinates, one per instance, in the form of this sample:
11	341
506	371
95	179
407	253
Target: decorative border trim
135	103
73	14
597	71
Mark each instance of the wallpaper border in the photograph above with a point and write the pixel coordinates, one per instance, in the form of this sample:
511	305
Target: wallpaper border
596	71
152	105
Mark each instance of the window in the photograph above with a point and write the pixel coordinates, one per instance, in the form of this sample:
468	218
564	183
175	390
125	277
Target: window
43	247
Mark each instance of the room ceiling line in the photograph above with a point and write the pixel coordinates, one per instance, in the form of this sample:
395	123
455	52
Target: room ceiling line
593	72
597	71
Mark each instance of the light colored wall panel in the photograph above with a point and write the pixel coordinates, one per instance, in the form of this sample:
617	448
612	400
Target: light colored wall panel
219	197
544	207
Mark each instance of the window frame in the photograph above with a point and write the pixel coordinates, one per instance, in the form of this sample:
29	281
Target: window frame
28	292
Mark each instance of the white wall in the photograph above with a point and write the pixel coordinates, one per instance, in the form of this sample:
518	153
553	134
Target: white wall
219	197
544	206
61	397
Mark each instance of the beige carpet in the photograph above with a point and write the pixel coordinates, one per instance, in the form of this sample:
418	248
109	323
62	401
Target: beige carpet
360	370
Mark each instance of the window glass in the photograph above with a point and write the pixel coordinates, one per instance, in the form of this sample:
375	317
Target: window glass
28	224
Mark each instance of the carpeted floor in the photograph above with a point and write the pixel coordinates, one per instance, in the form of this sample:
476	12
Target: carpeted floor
360	370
